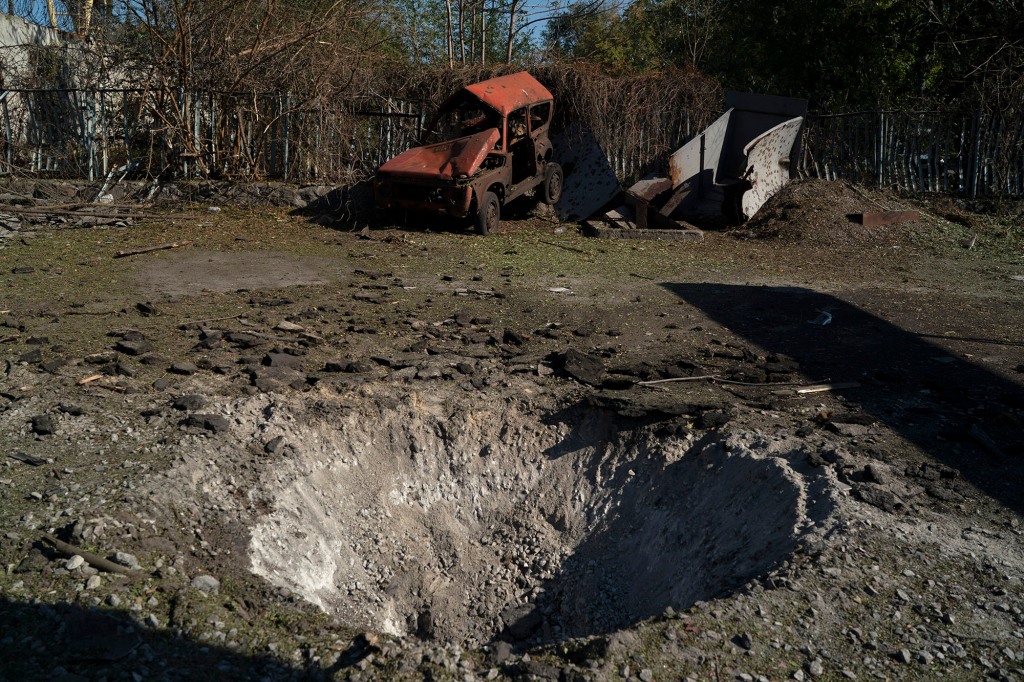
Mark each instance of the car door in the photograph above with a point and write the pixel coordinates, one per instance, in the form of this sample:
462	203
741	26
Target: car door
521	146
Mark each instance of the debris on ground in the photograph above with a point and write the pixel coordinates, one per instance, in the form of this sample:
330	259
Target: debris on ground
722	176
446	457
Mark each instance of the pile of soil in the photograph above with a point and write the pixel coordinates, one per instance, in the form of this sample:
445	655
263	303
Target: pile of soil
822	213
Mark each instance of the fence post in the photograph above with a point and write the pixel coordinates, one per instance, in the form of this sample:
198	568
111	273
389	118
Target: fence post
287	129
7	131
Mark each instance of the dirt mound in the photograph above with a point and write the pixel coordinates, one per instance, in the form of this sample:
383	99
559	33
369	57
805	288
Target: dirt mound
821	212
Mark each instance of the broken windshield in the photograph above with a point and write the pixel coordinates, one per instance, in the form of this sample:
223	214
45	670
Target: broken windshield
465	115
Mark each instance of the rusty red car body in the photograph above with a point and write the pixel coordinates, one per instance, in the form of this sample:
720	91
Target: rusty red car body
493	148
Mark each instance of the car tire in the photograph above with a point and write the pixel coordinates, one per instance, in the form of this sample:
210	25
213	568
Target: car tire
553	180
488	216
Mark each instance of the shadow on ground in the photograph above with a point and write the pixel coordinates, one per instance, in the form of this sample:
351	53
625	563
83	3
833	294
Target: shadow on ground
69	642
664	529
960	414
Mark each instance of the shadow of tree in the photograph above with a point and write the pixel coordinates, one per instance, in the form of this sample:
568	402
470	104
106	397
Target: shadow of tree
70	642
964	416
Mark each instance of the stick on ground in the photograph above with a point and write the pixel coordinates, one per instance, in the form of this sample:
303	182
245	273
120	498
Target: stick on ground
94	560
147	249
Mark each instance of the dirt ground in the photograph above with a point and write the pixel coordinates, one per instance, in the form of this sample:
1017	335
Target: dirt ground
287	451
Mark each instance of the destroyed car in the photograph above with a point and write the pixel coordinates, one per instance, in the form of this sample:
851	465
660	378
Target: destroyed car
491	147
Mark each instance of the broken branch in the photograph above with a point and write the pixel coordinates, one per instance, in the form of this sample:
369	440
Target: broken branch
713	378
94	560
822	388
148	249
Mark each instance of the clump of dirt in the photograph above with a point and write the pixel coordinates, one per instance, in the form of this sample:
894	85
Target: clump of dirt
821	213
421	516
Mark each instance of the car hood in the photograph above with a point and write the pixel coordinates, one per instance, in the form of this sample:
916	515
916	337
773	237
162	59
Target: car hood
444	160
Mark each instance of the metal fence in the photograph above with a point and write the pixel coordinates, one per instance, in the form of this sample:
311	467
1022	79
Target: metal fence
97	134
974	155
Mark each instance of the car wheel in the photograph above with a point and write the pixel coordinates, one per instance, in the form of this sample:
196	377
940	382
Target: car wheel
552	183
489	215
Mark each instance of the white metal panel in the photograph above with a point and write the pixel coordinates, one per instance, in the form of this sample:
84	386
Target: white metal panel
768	159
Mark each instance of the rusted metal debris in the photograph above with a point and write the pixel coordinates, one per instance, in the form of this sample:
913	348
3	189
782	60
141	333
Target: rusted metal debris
590	182
879	218
741	160
491	147
724	175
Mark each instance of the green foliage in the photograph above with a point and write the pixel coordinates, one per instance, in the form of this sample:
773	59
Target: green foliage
838	53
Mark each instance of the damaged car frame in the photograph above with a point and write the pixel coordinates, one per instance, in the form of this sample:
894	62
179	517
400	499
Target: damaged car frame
491	147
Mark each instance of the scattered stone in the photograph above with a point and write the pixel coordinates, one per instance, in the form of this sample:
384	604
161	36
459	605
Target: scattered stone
944	494
101	358
126	559
206	583
23	270
42	425
276	379
93	582
133	344
513	338
850	430
279	359
72	410
500	652
185	368
27	459
903	656
582	367
522	621
146	309
161	383
425	373
77	561
32	357
286	326
884	499
189	403
713	419
275	446
243	340
152	359
211	422
52	366
348	366
815	668
879	473
743	641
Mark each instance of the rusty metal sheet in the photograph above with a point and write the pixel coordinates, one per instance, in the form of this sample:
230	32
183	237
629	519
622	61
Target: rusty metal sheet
879	218
444	160
590	182
700	154
649	188
768	163
505	94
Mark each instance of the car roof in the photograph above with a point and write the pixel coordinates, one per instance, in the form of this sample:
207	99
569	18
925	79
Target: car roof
508	93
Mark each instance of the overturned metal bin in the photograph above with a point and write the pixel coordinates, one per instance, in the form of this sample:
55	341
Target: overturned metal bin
740	160
722	176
